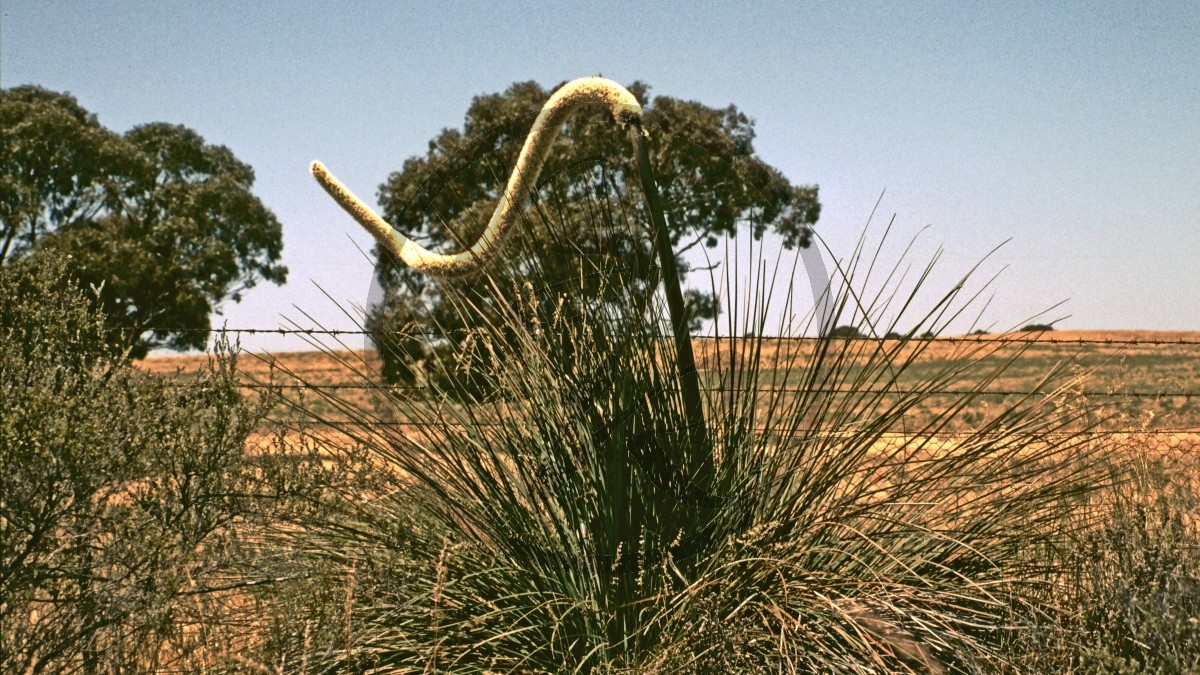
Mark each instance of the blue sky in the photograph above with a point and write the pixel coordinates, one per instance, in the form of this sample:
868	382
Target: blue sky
1072	129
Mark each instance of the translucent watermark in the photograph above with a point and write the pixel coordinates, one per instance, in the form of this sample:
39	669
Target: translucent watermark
819	282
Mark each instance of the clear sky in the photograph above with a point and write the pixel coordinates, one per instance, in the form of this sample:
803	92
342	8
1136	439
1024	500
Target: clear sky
1071	128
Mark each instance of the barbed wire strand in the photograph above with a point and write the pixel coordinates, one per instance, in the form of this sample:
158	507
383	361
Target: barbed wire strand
346	424
383	388
1007	338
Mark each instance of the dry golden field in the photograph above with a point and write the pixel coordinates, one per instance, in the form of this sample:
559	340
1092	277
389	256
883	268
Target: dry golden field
1148	380
1155	380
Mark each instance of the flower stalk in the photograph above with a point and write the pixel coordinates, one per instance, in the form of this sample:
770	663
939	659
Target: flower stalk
685	360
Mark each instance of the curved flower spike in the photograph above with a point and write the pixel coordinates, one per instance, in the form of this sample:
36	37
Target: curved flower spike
562	103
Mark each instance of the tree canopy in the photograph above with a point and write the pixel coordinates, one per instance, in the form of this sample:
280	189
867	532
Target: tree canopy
163	223
712	185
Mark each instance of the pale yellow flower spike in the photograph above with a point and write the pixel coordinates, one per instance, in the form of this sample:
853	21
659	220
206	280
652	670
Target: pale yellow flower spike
562	103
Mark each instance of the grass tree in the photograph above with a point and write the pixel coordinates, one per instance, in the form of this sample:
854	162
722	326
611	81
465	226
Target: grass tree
609	508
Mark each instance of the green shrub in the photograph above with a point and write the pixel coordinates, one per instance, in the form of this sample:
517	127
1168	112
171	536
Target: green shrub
121	492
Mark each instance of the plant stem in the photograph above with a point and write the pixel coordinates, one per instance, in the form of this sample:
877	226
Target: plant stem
685	359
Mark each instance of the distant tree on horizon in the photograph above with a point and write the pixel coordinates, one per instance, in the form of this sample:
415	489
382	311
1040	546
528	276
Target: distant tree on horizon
845	332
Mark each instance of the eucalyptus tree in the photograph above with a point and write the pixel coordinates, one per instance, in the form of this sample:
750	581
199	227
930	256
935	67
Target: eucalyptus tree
711	182
163	223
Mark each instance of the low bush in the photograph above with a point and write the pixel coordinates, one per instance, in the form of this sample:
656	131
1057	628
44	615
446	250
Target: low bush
1126	597
1138	579
121	493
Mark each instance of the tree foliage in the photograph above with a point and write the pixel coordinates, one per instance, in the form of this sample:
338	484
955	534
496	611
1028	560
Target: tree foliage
161	222
712	186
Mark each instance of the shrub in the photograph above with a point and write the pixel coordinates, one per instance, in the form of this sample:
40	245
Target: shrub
1138	578
120	492
1129	586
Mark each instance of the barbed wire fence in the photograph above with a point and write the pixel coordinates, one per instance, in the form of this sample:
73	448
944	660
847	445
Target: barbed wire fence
1160	422
1038	337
